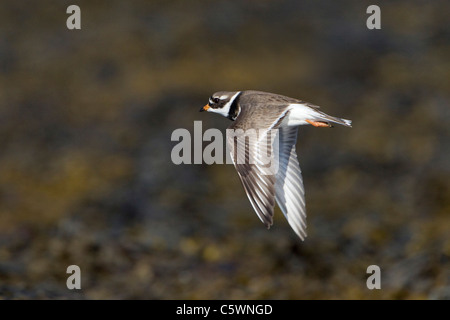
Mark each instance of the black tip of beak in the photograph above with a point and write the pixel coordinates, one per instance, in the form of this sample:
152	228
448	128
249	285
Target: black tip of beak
204	108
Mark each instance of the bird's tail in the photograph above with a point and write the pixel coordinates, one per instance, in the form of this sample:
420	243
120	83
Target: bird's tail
321	116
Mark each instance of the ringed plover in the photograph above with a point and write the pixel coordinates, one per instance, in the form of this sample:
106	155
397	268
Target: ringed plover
268	111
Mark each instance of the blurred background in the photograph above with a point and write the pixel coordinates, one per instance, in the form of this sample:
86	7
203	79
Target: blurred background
86	177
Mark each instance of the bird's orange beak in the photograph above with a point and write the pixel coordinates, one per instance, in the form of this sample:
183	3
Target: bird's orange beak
205	108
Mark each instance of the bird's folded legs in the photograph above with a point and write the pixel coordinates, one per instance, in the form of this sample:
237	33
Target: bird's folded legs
319	124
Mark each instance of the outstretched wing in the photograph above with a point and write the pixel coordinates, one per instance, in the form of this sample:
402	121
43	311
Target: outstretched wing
290	193
280	180
256	174
249	140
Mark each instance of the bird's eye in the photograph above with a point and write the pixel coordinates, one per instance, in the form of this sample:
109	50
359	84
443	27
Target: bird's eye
216	100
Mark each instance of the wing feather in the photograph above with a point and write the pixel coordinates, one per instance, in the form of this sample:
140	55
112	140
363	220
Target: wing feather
257	178
262	184
289	190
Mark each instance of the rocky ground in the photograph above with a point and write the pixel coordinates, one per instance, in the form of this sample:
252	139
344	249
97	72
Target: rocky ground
86	177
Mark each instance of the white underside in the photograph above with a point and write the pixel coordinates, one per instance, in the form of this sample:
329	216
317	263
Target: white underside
299	113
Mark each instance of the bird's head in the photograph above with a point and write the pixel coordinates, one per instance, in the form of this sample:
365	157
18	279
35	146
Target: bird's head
222	103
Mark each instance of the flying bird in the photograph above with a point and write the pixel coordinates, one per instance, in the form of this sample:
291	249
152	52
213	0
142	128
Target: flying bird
267	112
